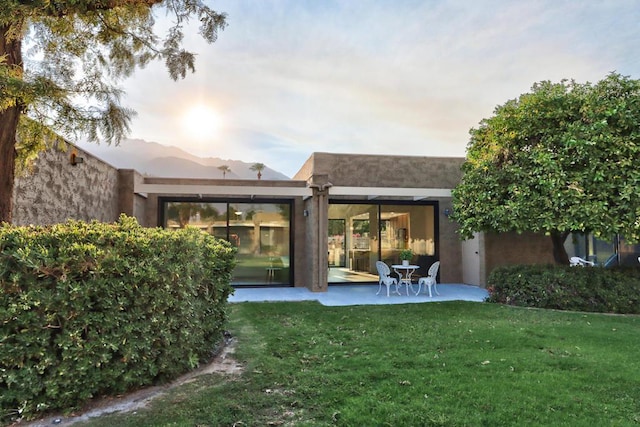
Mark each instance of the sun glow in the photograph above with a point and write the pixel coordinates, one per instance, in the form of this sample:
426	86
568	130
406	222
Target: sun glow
201	122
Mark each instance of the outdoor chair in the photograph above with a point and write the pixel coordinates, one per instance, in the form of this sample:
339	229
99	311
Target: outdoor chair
385	277
430	280
576	261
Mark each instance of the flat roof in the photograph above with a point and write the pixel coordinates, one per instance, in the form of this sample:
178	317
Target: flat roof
288	191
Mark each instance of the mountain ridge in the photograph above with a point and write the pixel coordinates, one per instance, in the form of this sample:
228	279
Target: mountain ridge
168	161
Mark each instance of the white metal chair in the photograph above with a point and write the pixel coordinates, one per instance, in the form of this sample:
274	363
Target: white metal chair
430	280
385	277
576	261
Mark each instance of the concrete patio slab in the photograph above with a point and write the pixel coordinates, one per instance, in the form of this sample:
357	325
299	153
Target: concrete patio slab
343	295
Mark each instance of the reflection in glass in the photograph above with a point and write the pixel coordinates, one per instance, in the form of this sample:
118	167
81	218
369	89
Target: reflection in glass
617	251
259	231
206	216
586	246
629	253
337	240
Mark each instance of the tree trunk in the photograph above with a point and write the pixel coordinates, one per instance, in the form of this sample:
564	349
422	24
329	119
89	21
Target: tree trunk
8	125
11	50
560	255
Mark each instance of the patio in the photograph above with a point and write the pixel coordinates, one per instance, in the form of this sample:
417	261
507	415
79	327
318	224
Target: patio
343	295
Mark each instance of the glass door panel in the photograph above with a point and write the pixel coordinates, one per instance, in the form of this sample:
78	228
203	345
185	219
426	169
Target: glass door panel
353	244
408	227
337	240
261	232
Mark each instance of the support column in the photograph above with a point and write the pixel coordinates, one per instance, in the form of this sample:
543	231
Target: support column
129	202
317	243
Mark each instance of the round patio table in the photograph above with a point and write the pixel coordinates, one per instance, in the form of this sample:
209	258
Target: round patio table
404	272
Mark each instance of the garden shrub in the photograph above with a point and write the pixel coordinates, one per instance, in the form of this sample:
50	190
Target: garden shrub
591	289
90	309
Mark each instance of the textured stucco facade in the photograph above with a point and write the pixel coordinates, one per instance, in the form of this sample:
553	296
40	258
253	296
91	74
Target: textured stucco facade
55	190
368	170
129	202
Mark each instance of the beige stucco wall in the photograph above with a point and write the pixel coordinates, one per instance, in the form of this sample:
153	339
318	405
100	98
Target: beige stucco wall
55	190
129	202
151	211
362	170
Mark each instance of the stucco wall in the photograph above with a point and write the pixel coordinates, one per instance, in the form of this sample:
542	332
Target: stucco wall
306	170
129	202
361	170
55	190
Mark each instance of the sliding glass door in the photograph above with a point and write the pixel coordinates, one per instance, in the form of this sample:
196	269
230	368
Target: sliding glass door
369	232
408	227
261	232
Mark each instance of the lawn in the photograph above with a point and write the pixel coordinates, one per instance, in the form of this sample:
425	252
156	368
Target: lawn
433	364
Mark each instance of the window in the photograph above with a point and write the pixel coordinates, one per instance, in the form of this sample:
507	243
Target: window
259	231
605	253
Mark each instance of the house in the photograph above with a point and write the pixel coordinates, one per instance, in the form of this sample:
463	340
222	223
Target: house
328	225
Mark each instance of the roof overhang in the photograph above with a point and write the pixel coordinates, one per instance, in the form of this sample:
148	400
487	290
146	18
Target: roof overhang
220	190
283	191
376	192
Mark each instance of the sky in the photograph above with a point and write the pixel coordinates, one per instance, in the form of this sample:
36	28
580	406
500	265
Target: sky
287	78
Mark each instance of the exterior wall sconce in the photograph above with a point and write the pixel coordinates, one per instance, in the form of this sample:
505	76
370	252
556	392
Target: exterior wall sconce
447	212
75	159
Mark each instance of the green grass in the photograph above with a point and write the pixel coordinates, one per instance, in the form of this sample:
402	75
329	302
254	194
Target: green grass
436	364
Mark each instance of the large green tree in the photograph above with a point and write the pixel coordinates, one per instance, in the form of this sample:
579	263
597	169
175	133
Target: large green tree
60	62
563	158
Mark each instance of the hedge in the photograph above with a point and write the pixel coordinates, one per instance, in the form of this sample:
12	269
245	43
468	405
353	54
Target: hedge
91	309
590	289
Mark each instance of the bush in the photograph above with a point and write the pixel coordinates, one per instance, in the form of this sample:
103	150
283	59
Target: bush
88	309
591	289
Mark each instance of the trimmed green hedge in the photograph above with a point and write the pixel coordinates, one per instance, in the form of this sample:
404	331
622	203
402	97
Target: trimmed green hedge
90	309
591	289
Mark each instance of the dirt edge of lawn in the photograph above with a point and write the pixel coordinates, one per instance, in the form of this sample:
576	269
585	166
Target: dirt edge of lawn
222	363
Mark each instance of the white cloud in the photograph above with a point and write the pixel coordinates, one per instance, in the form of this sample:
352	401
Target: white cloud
291	77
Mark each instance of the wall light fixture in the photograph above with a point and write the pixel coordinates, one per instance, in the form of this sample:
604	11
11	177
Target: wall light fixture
75	159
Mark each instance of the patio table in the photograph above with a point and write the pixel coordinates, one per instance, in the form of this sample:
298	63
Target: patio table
404	272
